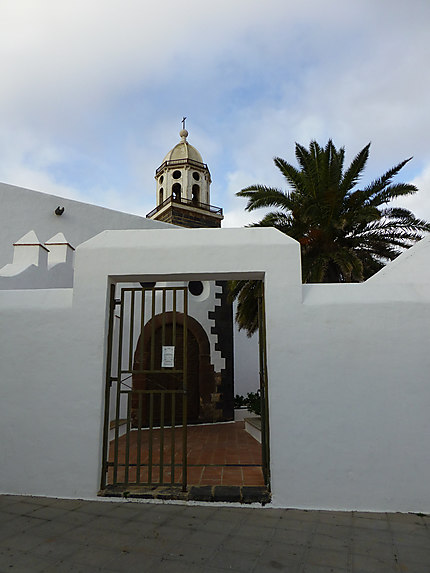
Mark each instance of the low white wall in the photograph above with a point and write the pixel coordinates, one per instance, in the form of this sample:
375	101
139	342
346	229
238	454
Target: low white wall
47	418
348	371
349	418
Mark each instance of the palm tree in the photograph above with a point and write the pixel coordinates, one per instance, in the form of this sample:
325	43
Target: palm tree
346	233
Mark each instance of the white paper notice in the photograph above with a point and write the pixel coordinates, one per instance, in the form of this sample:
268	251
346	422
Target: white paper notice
168	357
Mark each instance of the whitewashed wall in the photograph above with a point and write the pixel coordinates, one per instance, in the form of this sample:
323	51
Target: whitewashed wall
23	210
348	369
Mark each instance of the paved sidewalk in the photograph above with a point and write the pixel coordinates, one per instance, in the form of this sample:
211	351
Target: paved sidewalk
54	535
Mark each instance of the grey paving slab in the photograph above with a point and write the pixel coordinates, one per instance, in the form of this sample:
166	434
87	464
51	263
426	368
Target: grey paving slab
76	517
296	524
254	532
169	566
40	534
13	524
331	541
49	512
98	507
292	537
281	556
234	560
21	507
336	558
201	537
192	553
185	522
250	545
97	557
56	549
375	564
339	518
22	562
312	568
414	555
216	525
69	504
154	545
172	532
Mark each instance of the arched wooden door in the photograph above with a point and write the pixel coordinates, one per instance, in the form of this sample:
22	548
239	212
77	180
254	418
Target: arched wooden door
145	377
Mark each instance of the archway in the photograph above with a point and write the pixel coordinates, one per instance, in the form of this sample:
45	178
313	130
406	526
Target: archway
168	329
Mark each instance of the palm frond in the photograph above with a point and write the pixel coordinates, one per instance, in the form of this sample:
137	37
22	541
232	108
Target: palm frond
379	185
346	234
293	176
260	196
353	173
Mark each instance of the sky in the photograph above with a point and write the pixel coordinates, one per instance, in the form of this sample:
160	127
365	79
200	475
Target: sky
93	92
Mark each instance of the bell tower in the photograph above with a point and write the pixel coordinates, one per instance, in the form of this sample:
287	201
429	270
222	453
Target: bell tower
183	199
183	188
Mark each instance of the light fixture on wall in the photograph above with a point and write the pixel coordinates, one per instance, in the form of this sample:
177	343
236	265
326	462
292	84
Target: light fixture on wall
59	210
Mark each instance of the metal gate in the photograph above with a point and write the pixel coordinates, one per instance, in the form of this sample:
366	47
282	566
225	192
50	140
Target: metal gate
145	422
263	389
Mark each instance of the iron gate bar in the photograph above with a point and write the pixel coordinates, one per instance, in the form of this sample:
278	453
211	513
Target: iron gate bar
161	470
163	319
172	441
151	419
108	383
131	334
174	319
142	323
118	386
265	443
127	438
153	333
139	439
158	391
184	398
171	371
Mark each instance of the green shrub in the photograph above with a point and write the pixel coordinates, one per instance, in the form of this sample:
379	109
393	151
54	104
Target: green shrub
252	401
239	401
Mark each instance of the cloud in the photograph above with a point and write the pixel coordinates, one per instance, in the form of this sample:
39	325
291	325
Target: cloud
93	92
419	203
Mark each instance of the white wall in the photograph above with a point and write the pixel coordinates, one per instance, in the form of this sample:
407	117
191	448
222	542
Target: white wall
41	399
23	210
348	371
353	402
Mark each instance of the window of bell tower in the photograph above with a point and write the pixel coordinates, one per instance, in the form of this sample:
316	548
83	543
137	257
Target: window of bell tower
176	174
196	194
176	191
160	195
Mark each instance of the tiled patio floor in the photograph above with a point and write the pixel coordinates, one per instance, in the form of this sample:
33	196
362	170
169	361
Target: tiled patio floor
217	454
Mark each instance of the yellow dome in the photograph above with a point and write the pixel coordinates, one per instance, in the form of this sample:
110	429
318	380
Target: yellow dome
183	150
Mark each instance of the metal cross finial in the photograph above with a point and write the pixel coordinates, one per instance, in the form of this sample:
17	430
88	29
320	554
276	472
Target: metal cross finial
183	122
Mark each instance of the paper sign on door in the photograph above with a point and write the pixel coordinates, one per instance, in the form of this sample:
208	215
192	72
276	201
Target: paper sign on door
168	357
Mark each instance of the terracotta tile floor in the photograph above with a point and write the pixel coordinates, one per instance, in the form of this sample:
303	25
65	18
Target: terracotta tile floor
218	454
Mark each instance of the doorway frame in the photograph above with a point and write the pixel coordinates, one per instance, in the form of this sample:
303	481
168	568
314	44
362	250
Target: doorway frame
263	375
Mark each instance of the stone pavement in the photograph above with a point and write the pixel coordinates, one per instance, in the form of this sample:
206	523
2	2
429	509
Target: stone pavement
57	535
